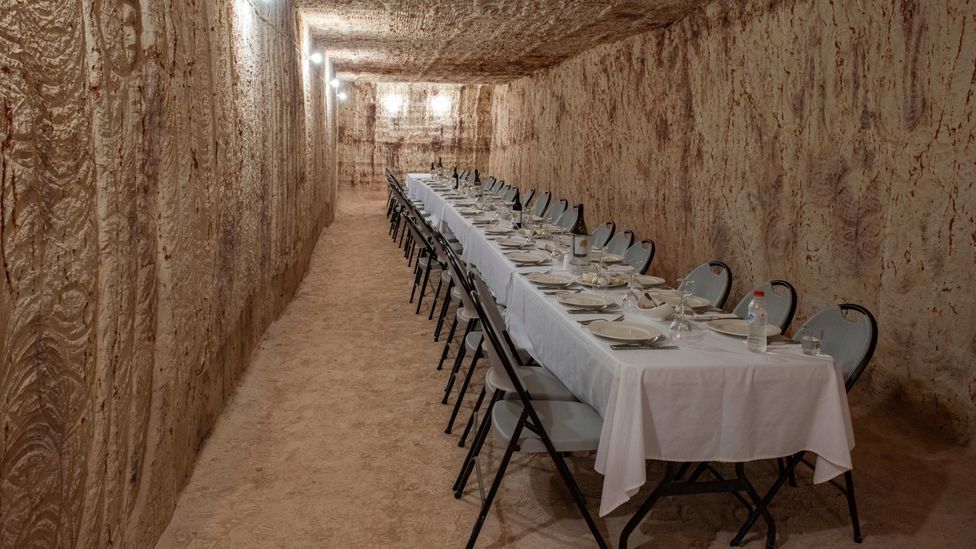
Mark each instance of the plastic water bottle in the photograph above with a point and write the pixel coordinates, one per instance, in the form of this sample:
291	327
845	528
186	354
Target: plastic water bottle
757	323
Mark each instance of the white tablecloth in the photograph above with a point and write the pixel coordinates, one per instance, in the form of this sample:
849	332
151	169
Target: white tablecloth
714	402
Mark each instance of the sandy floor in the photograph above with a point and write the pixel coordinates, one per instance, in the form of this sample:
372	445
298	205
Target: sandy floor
335	438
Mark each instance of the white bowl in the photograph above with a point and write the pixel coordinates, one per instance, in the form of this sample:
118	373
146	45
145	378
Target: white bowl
660	313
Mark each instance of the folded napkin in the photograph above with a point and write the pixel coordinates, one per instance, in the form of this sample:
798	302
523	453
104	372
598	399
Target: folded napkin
713	316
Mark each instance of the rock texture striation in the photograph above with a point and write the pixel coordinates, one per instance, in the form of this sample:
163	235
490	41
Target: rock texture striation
475	41
832	144
406	126
160	200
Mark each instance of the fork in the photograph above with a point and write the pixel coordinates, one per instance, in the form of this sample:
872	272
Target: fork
592	320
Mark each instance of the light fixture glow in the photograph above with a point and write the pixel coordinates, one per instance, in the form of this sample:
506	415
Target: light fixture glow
316	58
440	105
342	96
334	82
393	102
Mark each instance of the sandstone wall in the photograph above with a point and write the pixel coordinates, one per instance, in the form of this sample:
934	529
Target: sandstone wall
832	144
159	203
374	136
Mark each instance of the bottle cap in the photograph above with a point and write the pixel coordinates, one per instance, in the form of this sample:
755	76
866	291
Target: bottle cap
759	293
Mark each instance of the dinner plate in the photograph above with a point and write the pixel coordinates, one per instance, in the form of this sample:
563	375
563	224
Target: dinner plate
671	297
738	327
527	257
550	279
513	242
648	280
584	300
482	221
606	257
468	211
623	331
616	281
497	230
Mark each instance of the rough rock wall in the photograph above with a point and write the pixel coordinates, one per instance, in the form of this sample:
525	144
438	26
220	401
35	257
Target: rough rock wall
832	144
406	126
158	209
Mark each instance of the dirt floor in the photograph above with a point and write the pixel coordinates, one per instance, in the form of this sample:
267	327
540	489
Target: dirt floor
335	438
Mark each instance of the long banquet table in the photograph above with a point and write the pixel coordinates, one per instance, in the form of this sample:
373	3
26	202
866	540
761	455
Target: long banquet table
715	401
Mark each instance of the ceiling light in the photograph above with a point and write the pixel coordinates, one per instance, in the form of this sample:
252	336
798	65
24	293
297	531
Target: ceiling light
440	105
392	102
334	82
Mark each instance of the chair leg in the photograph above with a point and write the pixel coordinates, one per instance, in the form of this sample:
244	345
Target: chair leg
423	285
464	389
476	444
852	506
474	411
509	450
416	282
437	295
447	343
444	307
458	361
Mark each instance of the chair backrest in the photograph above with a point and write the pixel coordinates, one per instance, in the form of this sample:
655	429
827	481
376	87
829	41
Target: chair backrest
529	195
542	204
603	233
488	183
510	194
472	175
620	243
640	255
500	189
713	280
569	217
850	335
557	210
493	331
780	303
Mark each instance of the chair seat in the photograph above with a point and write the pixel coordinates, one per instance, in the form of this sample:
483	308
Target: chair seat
473	340
457	247
539	382
446	275
465	315
423	261
572	426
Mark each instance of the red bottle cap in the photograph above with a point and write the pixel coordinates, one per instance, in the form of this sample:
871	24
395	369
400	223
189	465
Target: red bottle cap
759	293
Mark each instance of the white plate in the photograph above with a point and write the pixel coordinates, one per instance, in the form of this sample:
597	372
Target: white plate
673	298
497	230
648	280
468	211
616	281
584	300
513	242
527	257
549	279
738	327
607	257
623	331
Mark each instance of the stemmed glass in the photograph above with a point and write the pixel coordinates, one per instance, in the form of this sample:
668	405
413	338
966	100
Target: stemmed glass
683	332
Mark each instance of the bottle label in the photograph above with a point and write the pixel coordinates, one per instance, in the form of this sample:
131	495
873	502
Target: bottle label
581	245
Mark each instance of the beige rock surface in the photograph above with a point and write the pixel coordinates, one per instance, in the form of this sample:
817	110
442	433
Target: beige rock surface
405	127
335	438
832	144
158	207
473	41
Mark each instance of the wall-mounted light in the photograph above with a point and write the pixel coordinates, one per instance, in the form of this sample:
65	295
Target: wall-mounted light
392	103
316	58
335	83
440	105
342	96
245	15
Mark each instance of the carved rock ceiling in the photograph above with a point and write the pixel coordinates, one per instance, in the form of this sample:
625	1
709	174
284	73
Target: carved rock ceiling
473	40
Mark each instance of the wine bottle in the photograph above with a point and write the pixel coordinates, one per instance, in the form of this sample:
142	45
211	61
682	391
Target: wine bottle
517	210
457	178
432	170
440	163
581	236
477	176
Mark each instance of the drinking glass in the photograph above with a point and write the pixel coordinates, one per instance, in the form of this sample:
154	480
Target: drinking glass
810	340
